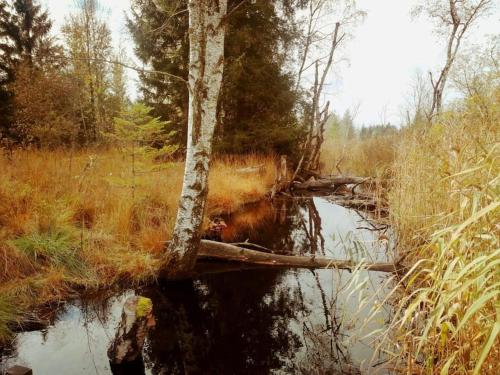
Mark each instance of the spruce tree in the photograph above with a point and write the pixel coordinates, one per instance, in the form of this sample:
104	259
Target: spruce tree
24	38
24	35
256	108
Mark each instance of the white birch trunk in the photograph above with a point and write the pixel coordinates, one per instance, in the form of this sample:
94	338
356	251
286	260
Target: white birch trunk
206	63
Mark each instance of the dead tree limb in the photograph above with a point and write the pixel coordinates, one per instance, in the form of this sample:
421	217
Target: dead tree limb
455	18
330	182
282	183
227	252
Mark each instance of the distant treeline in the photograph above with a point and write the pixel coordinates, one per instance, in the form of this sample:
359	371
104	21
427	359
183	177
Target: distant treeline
342	127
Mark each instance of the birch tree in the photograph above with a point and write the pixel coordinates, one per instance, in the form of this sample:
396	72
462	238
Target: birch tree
453	19
206	63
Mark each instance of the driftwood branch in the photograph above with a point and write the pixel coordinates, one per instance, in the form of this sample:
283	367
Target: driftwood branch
228	252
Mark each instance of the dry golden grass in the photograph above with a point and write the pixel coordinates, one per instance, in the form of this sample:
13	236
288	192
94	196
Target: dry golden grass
445	208
83	219
232	190
359	157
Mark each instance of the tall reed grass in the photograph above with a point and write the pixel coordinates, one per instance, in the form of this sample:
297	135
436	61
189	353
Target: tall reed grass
443	185
445	207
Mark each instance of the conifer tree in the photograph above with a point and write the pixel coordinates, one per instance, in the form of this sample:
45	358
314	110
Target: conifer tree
24	38
256	106
136	128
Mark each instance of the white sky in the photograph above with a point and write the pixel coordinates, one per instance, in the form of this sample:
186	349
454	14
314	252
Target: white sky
387	49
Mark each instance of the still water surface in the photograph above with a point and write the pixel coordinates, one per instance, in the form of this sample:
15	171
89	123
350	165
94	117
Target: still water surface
242	322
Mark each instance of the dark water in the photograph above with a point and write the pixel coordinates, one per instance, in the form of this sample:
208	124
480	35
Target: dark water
242	322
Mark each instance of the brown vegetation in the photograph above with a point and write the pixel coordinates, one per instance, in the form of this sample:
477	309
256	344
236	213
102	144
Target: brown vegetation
68	219
444	204
359	157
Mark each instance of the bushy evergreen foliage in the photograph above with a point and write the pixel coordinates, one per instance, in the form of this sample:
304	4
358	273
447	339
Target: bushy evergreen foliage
257	100
136	127
24	38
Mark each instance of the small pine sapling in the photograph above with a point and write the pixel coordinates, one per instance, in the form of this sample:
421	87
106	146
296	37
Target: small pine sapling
139	133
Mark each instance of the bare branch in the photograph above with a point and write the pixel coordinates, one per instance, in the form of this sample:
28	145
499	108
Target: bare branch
127	66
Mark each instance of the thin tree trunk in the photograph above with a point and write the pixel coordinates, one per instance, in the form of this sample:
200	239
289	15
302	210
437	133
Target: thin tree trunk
459	26
319	117
206	63
439	86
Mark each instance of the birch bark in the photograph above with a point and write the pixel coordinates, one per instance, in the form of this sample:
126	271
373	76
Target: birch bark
206	63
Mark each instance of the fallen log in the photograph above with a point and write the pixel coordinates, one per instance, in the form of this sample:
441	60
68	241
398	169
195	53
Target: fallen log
361	204
313	185
330	182
346	180
228	252
370	205
19	370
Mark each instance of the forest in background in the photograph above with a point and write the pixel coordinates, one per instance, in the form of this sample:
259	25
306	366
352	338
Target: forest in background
65	117
67	91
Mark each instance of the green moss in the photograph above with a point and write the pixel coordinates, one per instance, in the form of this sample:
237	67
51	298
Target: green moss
144	306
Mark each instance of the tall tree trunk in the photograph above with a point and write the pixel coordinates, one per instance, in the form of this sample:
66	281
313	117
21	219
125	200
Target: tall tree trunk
206	63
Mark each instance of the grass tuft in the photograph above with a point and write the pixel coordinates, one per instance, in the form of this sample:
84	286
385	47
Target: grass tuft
58	249
8	314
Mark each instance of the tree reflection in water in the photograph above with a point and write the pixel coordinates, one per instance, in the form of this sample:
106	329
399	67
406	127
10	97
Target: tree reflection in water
251	322
223	324
284	226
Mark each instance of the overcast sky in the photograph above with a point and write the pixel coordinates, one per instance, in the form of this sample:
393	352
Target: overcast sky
387	49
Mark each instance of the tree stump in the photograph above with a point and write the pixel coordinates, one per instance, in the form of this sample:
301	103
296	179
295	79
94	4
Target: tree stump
137	318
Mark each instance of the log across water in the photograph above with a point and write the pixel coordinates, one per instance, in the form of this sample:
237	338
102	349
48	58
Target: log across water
329	183
228	252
